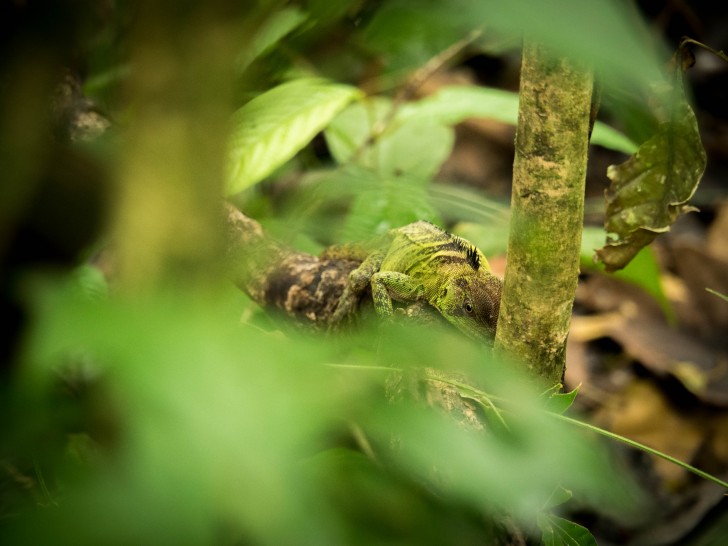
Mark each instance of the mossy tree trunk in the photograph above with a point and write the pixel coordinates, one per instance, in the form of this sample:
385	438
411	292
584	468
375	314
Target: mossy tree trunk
547	211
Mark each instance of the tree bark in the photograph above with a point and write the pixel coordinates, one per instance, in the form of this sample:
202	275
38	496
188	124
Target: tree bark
547	211
300	286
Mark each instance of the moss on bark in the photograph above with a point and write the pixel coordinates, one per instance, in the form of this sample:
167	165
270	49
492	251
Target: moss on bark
547	211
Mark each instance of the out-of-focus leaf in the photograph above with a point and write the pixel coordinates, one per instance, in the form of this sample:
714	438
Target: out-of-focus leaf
204	413
407	34
490	238
652	188
280	23
272	127
609	137
384	202
417	149
609	36
479	469
468	204
455	104
389	171
643	270
556	531
415	146
347	134
210	414
89	282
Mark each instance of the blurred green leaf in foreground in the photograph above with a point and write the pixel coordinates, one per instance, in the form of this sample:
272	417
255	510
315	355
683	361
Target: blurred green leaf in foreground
195	430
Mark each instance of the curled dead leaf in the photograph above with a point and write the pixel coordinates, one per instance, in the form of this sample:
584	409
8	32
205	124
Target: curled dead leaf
652	188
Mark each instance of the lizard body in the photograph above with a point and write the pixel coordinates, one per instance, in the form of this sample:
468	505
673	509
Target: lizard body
418	262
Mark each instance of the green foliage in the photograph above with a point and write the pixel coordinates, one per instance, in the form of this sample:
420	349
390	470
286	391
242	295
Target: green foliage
217	429
453	105
559	402
158	418
605	35
275	28
558	531
272	127
416	147
383	203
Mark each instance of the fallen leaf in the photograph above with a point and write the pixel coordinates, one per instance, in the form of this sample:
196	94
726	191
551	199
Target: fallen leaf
652	188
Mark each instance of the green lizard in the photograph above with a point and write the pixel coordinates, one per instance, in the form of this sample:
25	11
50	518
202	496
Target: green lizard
420	261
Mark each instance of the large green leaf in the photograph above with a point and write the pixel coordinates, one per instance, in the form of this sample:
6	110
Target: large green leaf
272	127
652	188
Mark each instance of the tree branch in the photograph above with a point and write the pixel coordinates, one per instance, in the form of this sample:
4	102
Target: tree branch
304	287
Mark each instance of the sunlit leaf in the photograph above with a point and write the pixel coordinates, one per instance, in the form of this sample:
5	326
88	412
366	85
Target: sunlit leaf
272	127
652	188
556	531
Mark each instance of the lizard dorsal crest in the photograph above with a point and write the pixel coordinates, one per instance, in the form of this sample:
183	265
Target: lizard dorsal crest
471	253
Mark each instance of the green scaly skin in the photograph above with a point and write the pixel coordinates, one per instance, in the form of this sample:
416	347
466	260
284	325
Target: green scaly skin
420	261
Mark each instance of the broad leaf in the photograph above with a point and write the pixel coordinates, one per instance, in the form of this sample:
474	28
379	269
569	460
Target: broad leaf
273	127
413	146
652	188
556	531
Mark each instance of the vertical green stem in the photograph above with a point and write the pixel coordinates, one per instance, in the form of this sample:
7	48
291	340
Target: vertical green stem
547	211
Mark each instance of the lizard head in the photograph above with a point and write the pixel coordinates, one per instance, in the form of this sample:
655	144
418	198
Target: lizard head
471	303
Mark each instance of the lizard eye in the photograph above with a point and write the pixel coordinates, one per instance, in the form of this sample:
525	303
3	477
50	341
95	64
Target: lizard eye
468	307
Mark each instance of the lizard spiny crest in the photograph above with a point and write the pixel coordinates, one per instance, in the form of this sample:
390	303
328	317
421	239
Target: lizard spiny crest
471	253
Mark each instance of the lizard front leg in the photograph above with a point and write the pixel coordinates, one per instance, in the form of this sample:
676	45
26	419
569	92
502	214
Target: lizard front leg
359	279
392	284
